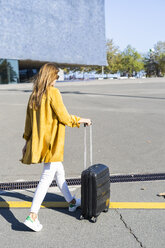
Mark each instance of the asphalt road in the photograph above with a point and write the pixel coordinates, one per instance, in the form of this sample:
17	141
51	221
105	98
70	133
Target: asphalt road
128	127
128	135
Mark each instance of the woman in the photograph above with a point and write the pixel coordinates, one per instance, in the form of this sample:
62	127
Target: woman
44	133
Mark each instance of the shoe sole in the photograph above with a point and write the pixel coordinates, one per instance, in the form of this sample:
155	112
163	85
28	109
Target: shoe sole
28	224
73	210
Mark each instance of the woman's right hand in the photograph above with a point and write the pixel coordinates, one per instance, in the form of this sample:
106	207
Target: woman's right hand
88	122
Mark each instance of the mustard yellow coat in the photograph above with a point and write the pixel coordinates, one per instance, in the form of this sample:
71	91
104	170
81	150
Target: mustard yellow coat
45	129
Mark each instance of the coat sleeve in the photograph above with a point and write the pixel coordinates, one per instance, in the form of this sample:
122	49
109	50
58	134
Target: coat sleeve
61	111
28	128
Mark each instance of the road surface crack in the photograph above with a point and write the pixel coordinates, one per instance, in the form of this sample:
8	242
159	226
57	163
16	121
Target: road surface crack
130	230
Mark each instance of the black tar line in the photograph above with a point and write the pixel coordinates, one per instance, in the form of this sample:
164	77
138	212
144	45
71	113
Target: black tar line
77	181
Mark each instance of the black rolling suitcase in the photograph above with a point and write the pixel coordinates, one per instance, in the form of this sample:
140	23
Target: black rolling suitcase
95	187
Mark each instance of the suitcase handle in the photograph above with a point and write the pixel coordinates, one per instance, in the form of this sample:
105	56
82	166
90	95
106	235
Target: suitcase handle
85	145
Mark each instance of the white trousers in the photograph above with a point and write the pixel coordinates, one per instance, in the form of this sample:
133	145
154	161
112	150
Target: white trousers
53	170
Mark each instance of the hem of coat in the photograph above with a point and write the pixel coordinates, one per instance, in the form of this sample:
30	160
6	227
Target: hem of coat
40	162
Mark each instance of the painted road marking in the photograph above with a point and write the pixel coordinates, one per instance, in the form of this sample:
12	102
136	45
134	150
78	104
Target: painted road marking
138	205
121	205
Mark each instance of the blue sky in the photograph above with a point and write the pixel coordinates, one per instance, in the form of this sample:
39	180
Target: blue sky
140	23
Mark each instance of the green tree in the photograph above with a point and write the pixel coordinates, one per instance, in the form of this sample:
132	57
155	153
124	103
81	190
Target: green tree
159	51
155	60
150	64
131	61
113	59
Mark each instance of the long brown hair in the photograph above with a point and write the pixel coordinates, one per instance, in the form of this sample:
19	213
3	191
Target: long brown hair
46	75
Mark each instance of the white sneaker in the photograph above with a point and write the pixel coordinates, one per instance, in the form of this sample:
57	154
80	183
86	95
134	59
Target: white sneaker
34	225
73	207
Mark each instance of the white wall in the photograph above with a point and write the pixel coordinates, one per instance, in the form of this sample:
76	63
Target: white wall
63	31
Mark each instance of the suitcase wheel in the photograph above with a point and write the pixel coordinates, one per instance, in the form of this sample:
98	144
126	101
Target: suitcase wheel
106	210
94	219
81	217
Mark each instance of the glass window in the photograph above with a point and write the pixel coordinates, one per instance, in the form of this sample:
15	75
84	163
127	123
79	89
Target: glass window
9	72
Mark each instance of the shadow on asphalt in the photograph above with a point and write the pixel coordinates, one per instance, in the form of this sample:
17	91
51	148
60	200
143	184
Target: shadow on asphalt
94	94
17	90
16	225
7	214
75	214
111	95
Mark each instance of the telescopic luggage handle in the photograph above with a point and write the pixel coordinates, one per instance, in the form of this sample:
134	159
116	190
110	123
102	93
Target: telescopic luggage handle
85	145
